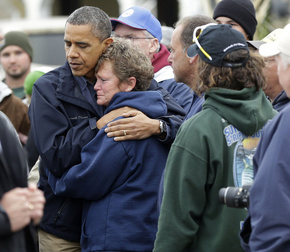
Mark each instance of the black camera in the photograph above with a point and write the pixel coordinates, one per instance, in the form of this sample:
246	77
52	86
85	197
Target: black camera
237	197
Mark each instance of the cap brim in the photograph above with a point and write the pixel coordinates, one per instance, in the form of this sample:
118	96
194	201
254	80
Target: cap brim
114	22
192	50
269	49
256	43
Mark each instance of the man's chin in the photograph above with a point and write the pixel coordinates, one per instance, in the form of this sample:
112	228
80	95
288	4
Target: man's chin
77	73
15	75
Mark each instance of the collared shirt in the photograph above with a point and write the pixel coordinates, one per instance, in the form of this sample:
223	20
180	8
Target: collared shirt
87	90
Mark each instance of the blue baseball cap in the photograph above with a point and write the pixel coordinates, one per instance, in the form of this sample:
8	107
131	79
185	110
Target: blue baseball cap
139	18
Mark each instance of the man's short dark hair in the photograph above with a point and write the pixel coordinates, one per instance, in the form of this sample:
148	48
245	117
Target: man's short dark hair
94	16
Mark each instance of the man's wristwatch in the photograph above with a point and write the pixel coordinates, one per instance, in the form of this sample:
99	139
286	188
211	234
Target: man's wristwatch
163	129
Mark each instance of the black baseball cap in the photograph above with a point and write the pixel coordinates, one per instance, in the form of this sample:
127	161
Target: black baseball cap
212	42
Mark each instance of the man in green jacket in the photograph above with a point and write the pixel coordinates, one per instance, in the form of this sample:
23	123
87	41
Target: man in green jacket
214	148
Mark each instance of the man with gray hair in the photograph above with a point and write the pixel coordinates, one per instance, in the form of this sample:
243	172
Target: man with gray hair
184	67
143	29
273	88
267	227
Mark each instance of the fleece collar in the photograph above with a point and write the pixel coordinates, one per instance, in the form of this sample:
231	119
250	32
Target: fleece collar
160	59
4	91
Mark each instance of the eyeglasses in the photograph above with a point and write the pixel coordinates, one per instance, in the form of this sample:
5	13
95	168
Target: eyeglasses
198	30
130	37
268	61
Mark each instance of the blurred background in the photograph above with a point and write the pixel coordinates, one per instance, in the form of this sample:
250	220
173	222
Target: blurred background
44	20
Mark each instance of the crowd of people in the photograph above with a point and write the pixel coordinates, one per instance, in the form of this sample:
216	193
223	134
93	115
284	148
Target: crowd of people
126	146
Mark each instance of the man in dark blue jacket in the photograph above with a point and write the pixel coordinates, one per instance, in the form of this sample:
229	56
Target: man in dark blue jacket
64	114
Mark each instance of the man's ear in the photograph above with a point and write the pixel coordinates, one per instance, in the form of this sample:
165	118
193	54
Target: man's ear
130	84
107	42
193	60
153	46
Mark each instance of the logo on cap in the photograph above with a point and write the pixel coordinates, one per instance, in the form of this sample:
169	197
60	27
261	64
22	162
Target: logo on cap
128	13
233	45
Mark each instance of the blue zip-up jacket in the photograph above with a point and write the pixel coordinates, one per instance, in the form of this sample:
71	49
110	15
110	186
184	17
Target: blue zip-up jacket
163	74
280	101
196	106
267	226
182	93
120	182
62	122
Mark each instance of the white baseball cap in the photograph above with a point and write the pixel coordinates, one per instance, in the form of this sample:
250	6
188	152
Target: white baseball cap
281	45
271	37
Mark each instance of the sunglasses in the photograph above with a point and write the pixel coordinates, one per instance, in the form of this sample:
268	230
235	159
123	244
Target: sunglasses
196	33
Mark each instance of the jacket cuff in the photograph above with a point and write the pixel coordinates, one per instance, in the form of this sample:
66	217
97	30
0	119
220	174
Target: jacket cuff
4	223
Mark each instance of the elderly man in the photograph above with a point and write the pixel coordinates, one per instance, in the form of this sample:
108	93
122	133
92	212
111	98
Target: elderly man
273	89
268	229
138	25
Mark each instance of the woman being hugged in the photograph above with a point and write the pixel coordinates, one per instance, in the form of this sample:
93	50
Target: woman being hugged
119	180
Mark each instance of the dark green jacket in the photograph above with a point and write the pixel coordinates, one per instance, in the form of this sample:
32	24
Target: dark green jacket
209	153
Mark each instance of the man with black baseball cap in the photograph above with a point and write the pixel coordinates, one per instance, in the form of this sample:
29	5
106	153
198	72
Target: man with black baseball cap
214	148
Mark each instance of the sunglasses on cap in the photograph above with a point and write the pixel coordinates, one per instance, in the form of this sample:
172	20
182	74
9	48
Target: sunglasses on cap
196	33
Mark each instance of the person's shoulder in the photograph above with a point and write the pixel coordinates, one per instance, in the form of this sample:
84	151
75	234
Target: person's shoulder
53	74
279	124
4	120
283	117
6	125
47	78
52	80
285	111
203	122
172	82
18	102
192	132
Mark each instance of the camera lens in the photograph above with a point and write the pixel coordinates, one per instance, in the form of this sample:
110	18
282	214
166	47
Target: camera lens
222	197
237	197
